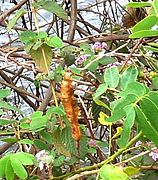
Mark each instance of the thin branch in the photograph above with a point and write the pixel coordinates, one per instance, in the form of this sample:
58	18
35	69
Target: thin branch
7	13
73	19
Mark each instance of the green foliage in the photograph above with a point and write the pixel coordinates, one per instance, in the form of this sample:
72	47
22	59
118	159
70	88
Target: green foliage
14	19
42	55
18	168
147	23
128	124
5	105
47	136
139	4
58	144
144	28
6	121
110	172
4	93
38	45
100	90
111	77
40	144
53	7
54	41
144	34
146	126
13	164
130	170
129	75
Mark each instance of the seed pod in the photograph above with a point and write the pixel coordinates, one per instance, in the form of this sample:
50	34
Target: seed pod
69	103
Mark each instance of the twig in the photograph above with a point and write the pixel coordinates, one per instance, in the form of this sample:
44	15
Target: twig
76	176
130	55
73	19
7	13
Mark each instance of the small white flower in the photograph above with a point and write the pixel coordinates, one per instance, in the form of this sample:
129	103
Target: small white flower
41	165
154	155
40	153
138	143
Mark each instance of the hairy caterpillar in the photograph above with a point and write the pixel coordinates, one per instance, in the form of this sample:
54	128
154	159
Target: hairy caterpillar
68	101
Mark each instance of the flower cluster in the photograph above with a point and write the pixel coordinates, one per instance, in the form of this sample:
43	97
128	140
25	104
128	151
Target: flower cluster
92	143
81	59
99	46
154	154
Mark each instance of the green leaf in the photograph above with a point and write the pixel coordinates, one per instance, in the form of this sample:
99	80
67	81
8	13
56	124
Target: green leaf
4	93
36	45
151	48
54	41
118	132
105	60
58	144
40	144
130	170
36	115
37	120
18	168
110	172
139	4
58	110
155	83
42	35
27	36
150	110
154	97
145	24
119	111
101	103
24	158
86	48
83	148
155	6
3	165
14	20
135	88
153	44
127	125
67	139
59	161
47	136
25	141
149	131
144	33
102	119
111	77
93	66
75	71
55	8
9	172
10	140
28	46
100	90
6	121
128	76
8	106
42	57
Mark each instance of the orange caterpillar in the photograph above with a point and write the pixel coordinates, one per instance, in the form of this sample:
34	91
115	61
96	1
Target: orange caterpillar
68	101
